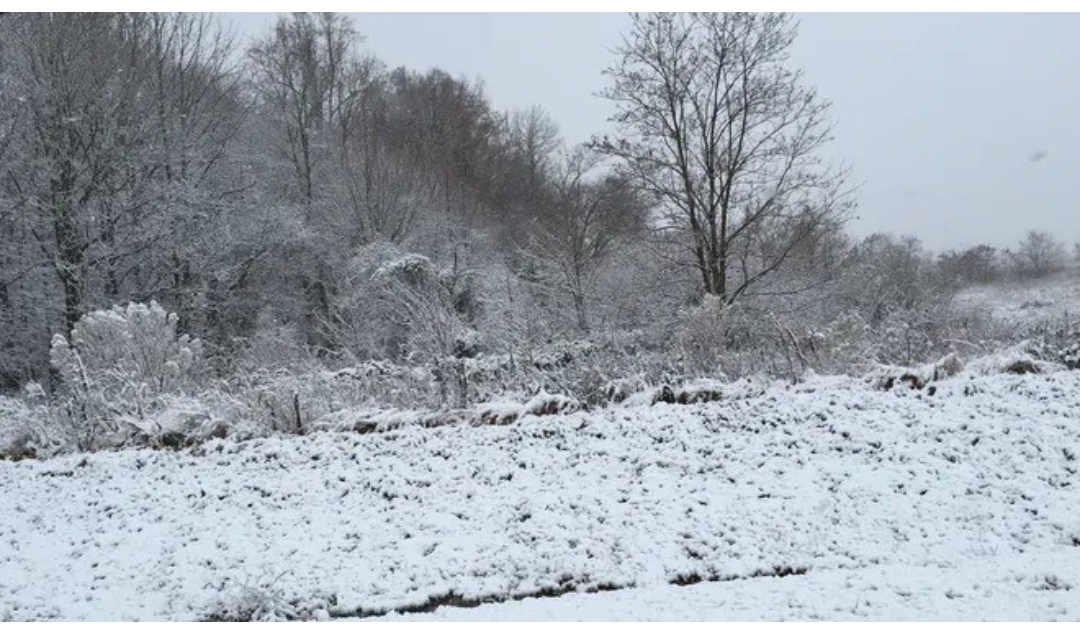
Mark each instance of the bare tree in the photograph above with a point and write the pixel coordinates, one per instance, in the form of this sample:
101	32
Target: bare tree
446	128
979	264
1039	255
534	137
375	190
714	124
581	226
305	74
311	82
82	84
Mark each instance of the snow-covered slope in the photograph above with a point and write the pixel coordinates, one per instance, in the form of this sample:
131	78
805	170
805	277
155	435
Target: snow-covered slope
1026	303
829	479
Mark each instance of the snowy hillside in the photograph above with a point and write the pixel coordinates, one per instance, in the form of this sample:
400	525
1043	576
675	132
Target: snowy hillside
1026	302
823	499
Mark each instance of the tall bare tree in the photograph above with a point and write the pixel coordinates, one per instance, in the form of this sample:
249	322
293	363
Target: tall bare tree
197	112
305	74
82	85
714	124
446	127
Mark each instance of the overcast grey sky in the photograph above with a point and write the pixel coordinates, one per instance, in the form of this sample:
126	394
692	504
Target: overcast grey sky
960	129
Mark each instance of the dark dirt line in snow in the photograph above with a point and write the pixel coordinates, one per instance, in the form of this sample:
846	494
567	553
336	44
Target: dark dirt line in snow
776	572
453	599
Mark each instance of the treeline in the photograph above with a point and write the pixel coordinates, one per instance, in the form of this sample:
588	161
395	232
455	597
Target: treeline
299	204
141	161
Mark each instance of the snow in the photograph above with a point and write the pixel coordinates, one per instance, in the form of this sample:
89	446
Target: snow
1000	361
997	588
1025	302
899	504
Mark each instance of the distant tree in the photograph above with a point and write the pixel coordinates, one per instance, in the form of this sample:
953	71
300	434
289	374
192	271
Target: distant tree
446	129
886	275
586	218
715	125
305	75
534	138
1038	255
978	265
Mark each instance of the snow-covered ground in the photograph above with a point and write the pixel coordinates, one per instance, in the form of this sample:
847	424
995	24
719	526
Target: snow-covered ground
959	503
985	588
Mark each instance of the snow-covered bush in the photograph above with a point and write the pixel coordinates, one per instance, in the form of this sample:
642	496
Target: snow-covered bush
27	428
916	377
118	366
705	333
16	430
273	346
407	309
739	340
288	401
853	344
596	372
1057	340
907	336
136	344
843	344
506	412
265	598
1018	359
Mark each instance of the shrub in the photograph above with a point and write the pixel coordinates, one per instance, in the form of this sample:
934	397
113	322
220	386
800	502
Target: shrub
16	433
128	345
740	340
118	365
1057	340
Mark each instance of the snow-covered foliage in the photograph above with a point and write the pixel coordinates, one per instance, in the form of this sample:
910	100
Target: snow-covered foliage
125	368
1058	340
18	437
128	378
1020	359
127	347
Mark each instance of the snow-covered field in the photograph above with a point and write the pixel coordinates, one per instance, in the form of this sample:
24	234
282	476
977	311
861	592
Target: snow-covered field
827	499
1026	303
